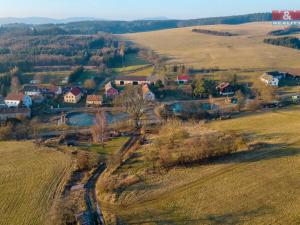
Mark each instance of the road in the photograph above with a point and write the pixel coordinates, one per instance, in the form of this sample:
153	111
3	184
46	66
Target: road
92	204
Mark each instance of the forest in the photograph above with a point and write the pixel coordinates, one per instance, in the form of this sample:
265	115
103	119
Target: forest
290	42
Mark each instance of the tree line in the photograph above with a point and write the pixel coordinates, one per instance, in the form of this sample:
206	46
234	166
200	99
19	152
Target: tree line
290	42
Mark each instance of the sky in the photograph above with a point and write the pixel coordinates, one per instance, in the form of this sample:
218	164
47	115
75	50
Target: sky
139	9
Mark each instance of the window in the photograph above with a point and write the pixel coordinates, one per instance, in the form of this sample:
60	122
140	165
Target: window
122	82
135	83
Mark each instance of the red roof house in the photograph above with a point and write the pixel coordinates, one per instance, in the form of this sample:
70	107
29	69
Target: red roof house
183	79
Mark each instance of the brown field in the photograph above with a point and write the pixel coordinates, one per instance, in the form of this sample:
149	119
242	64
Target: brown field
253	187
246	51
31	180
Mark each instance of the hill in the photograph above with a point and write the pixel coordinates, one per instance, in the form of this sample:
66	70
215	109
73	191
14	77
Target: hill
93	26
31	181
245	50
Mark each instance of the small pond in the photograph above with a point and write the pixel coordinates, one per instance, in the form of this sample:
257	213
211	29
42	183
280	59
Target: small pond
87	119
179	107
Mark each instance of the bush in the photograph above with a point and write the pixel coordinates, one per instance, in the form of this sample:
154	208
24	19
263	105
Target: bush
175	146
6	132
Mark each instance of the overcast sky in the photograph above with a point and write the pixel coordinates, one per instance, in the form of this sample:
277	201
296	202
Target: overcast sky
136	9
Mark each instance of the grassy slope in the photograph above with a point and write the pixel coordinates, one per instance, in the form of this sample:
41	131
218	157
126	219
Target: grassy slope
259	187
30	180
244	51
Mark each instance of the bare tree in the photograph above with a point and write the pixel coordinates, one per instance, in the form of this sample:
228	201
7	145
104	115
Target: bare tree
133	101
15	84
99	129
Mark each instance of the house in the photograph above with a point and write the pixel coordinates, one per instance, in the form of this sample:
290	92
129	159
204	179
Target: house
148	95
17	100
31	90
94	100
73	96
182	79
110	91
131	80
14	113
270	80
225	89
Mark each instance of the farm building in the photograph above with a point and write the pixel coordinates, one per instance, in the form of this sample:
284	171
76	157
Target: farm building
16	100
94	100
131	80
73	96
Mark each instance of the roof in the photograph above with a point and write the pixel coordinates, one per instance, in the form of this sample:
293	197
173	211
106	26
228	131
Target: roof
132	78
75	91
112	91
268	77
31	88
15	97
108	86
183	77
223	85
94	98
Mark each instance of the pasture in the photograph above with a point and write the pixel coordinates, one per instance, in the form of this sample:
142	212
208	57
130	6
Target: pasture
251	187
245	51
31	180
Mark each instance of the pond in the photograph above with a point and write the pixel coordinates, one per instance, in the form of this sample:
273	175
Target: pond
87	119
179	107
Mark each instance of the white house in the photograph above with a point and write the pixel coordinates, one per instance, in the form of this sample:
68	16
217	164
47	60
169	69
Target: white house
148	95
16	100
270	80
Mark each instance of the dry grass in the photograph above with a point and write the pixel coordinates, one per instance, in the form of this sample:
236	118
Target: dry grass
31	179
255	187
244	51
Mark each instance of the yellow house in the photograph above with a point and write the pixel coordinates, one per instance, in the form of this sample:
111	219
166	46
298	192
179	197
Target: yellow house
73	96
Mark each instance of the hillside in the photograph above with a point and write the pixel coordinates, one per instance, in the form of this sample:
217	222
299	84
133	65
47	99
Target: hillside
31	180
250	187
92	26
247	50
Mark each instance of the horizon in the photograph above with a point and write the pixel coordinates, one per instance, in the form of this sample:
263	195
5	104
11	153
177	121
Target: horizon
133	9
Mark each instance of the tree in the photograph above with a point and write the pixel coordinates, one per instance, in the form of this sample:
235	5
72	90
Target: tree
99	129
133	101
264	92
240	98
90	84
199	88
15	84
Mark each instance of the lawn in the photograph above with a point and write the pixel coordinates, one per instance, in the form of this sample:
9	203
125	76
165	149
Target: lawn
253	187
31	180
110	147
244	51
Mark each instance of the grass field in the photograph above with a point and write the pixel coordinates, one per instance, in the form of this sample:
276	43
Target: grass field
244	51
253	187
31	179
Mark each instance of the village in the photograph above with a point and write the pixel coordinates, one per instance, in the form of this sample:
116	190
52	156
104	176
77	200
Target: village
20	104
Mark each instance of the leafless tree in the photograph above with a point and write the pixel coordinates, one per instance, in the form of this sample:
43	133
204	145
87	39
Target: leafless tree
99	129
133	101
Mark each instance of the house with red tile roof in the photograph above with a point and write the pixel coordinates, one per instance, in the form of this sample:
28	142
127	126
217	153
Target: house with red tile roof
94	100
15	100
73	96
182	79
